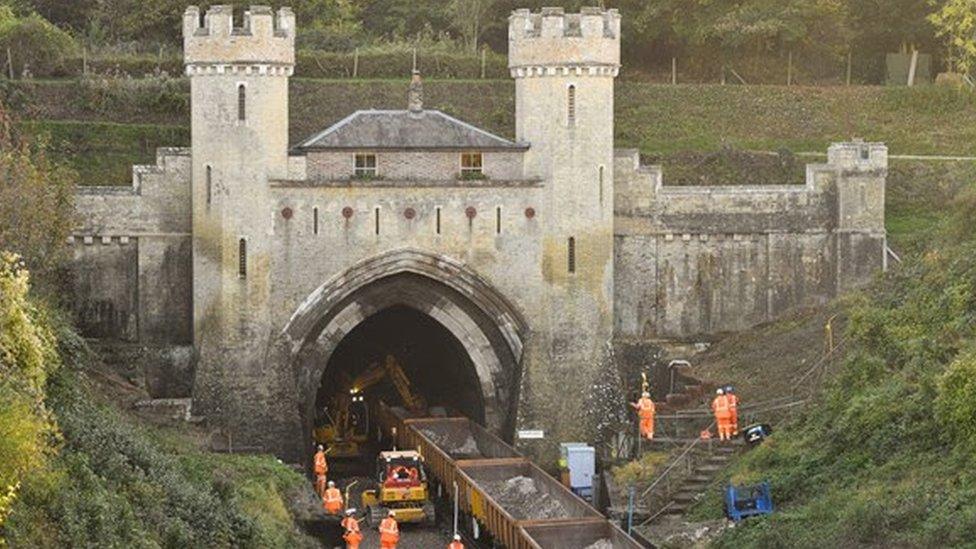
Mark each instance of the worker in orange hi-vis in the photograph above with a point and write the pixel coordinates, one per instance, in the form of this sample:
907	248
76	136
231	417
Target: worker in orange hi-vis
645	412
332	501
321	470
733	409
456	544
389	532
353	536
720	406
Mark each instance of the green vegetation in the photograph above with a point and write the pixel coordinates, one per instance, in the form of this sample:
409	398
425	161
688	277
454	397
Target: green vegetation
886	456
754	38
104	153
74	470
27	357
116	483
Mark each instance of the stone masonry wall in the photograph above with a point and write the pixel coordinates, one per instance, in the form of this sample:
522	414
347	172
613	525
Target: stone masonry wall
699	261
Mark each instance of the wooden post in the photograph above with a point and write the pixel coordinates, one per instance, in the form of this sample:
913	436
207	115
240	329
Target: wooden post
84	61
723	75
789	70
355	63
484	58
849	56
912	67
10	63
674	70
414	59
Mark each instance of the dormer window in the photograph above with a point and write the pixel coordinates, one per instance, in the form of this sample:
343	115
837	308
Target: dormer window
365	166
471	165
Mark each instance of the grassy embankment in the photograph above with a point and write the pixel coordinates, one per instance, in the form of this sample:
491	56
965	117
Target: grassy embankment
886	455
77	472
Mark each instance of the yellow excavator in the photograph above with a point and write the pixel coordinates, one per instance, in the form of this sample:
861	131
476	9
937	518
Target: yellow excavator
347	416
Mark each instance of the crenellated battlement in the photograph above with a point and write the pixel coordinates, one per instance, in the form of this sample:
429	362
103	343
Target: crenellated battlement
543	43
265	39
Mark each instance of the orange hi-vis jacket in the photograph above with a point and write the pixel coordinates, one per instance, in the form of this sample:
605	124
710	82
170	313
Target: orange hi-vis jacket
350	524
456	545
332	501
645	408
721	407
733	402
389	532
353	536
321	466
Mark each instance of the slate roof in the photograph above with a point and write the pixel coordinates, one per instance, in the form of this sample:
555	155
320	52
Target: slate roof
427	129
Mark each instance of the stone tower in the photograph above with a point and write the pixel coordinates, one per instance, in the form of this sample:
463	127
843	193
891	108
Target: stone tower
564	67
239	129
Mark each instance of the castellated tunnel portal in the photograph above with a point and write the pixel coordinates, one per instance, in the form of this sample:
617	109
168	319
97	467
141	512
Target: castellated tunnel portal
457	341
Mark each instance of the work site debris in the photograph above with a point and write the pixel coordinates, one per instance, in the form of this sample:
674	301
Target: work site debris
600	544
460	445
520	496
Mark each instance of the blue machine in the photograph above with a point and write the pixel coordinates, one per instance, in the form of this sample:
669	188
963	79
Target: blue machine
747	501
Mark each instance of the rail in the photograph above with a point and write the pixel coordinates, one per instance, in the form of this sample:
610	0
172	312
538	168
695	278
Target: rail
674	463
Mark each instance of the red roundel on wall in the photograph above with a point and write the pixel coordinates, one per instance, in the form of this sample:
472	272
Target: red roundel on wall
530	213
287	213
347	212
409	213
470	212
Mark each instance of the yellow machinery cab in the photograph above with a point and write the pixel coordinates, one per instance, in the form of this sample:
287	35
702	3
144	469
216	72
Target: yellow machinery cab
401	486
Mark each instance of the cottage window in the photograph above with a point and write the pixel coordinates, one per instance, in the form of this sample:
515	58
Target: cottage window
365	165
471	164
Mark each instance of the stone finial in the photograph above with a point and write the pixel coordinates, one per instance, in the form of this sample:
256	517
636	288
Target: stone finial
415	95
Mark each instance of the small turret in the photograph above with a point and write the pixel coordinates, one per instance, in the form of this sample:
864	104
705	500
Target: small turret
265	42
858	155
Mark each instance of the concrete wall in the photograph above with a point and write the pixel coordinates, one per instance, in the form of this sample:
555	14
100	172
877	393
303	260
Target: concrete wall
699	261
412	165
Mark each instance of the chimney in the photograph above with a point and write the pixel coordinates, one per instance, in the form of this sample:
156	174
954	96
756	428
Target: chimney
415	96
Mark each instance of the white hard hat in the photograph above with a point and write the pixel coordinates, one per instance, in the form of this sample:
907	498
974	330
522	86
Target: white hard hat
331	483
645	394
392	513
719	391
350	510
457	537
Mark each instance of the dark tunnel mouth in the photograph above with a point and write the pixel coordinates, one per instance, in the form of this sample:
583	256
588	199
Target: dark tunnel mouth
436	363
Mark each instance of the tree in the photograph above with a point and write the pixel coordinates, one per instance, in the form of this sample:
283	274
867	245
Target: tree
955	23
36	203
467	17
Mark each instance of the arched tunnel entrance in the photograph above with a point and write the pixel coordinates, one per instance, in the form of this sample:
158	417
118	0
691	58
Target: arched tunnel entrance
457	341
437	370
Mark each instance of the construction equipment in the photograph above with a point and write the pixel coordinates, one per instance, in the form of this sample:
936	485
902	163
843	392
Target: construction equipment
401	486
747	501
347	416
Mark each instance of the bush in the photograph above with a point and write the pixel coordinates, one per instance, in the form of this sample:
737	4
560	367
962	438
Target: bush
27	357
955	405
35	44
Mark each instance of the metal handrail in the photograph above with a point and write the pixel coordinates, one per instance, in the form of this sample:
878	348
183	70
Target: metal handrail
765	406
688	448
